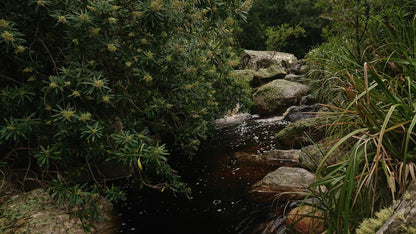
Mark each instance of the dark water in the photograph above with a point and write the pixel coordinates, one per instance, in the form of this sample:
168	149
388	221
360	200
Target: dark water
220	202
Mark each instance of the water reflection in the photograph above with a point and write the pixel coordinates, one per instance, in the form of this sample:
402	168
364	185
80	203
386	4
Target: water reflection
219	203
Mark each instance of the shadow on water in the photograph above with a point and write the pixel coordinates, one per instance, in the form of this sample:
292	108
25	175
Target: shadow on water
220	203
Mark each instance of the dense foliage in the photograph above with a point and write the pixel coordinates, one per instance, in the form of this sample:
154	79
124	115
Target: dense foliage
88	82
290	26
369	64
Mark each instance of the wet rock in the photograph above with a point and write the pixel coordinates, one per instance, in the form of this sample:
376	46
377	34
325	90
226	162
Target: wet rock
255	60
296	113
282	157
274	158
246	158
233	120
306	219
274	226
303	132
276	96
283	183
36	212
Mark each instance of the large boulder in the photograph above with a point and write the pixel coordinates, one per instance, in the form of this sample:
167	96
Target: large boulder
36	212
255	60
272	158
304	132
283	183
276	96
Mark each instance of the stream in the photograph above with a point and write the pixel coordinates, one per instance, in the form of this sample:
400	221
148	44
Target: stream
219	201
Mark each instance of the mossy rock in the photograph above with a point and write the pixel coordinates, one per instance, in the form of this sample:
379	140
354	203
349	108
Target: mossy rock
243	75
304	132
37	212
266	75
261	76
276	96
400	218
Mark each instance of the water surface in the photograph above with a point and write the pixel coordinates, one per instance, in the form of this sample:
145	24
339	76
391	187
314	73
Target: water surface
219	202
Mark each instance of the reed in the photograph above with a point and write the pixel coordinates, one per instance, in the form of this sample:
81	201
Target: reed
379	94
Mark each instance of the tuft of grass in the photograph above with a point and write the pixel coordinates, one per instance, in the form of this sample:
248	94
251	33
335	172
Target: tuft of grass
380	96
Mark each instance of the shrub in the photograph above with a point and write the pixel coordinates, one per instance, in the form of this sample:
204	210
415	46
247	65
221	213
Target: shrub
280	16
279	37
83	82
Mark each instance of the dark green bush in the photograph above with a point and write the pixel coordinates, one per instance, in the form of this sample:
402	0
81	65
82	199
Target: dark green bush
83	82
279	37
266	15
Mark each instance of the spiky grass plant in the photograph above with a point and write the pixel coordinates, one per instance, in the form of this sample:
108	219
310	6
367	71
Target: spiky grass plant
375	128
